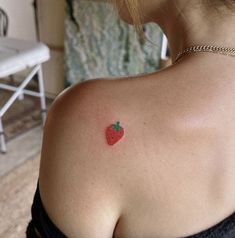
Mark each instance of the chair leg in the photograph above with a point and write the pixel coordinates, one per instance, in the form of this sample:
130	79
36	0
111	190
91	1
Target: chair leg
42	97
2	138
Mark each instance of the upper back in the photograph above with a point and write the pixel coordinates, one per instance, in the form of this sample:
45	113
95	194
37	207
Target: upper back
171	175
178	165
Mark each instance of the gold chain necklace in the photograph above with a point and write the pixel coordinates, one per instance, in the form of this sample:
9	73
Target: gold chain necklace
206	48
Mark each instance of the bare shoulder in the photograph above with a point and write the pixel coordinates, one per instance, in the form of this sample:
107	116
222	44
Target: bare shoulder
87	185
81	176
77	175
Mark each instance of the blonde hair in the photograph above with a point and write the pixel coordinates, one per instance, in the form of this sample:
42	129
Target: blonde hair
133	7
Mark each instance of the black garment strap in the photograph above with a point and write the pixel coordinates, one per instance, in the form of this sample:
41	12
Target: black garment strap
31	233
223	229
40	220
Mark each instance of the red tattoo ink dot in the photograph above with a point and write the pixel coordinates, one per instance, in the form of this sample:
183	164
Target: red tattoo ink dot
114	133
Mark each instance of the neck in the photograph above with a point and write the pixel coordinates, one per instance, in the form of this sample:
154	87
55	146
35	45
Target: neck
189	25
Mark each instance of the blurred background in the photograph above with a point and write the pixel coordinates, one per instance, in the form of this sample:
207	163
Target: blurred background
80	40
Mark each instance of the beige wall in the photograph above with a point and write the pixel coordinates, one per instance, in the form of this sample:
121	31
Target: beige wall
51	15
51	28
21	18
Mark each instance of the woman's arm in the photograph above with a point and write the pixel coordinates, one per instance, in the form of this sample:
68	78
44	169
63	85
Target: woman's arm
75	181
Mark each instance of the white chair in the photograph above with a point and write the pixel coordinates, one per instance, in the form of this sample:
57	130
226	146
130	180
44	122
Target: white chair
17	55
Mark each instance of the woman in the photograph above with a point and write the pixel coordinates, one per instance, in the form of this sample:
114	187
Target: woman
149	155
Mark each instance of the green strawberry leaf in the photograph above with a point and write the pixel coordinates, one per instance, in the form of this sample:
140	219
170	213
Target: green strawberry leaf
117	126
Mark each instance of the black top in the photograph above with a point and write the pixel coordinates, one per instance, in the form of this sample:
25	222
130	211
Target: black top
41	221
46	228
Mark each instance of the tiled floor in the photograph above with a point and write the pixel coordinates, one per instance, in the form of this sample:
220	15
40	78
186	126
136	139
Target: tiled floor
18	178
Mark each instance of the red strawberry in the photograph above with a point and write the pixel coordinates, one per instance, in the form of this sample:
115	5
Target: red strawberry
114	133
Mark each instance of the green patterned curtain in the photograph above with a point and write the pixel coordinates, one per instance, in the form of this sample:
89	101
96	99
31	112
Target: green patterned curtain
99	44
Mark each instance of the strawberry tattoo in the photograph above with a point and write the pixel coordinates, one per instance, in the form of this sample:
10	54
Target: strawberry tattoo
114	133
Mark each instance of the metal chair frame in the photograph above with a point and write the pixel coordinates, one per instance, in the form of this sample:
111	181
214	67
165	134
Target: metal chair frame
19	92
